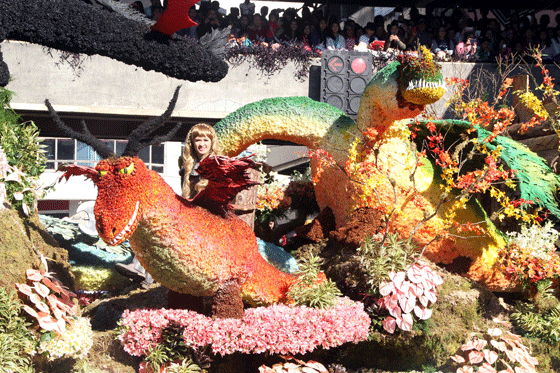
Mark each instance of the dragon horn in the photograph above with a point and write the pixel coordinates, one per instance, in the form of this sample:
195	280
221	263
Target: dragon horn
159	139
140	137
84	135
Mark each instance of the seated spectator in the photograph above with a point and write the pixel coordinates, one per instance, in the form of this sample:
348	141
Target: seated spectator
280	29
484	52
211	22
319	36
555	39
359	32
393	42
335	41
453	35
442	47
380	32
424	37
461	29
190	31
491	36
349	35
306	37
272	27
233	24
549	50
518	49
529	39
411	36
292	34
504	51
258	30
466	51
244	23
369	36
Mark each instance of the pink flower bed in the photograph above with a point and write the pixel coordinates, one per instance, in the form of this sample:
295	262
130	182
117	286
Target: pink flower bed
277	329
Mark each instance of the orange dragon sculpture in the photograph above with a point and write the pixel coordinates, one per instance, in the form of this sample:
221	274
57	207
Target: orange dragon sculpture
195	247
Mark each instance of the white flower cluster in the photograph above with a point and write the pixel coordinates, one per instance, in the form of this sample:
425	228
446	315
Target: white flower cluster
541	240
75	342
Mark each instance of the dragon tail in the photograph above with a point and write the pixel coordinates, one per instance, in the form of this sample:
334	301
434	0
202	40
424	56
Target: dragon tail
267	285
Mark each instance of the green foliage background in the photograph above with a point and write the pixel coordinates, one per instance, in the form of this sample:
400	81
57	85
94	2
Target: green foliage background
20	142
15	338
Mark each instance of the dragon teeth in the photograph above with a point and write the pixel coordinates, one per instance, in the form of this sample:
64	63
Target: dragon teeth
421	83
128	225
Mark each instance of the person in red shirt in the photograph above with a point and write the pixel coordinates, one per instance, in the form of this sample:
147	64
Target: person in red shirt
258	30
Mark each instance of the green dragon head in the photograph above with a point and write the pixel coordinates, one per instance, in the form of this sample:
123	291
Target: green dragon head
420	79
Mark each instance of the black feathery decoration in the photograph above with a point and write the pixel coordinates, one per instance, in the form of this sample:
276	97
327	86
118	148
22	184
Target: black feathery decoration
84	135
77	27
143	136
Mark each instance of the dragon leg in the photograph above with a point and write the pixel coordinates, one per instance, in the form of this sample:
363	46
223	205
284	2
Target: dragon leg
227	302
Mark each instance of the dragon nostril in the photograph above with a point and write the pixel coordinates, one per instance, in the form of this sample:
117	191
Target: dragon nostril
114	231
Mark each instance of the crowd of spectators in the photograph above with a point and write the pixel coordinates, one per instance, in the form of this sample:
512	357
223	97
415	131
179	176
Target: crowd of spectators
458	35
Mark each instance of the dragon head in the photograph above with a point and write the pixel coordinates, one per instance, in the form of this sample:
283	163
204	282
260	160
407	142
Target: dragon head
420	79
124	184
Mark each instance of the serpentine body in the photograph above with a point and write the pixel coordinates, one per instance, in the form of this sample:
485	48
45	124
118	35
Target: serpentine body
396	94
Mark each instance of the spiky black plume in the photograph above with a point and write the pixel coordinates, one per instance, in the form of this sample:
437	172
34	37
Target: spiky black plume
143	136
84	136
140	138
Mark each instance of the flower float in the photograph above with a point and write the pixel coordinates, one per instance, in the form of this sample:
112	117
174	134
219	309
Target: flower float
374	163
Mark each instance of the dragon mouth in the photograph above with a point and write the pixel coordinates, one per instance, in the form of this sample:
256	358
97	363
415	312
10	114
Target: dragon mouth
119	238
423	92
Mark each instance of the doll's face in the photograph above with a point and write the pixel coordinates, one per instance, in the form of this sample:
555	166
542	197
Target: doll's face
202	146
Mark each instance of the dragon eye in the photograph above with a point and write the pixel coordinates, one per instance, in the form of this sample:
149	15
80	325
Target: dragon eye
127	170
102	173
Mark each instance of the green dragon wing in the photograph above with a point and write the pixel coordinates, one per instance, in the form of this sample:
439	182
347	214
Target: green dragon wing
537	182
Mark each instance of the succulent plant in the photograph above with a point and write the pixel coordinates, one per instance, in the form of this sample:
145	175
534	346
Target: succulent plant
47	300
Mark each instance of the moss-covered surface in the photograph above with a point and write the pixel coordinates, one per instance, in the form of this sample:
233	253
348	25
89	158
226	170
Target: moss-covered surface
22	240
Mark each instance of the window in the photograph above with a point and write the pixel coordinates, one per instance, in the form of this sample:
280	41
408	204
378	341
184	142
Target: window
59	150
